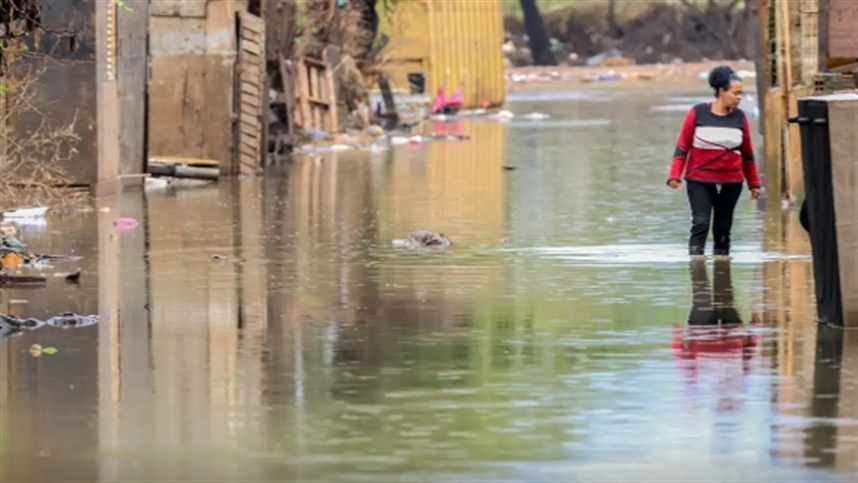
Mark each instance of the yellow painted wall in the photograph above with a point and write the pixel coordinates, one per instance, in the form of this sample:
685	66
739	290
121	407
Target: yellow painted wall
453	41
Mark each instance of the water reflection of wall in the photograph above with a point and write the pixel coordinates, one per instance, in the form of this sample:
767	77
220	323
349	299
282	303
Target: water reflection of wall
453	187
36	394
817	372
207	324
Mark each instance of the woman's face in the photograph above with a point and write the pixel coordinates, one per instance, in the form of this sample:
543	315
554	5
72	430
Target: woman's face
732	96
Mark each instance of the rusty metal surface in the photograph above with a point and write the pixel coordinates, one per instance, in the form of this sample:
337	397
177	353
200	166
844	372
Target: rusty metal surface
843	29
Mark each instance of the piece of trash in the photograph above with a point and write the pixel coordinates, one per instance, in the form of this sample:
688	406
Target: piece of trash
11	259
36	350
22	280
18	302
218	258
68	320
69	276
509	168
105	210
28	212
8	229
611	219
536	116
124	223
424	239
151	182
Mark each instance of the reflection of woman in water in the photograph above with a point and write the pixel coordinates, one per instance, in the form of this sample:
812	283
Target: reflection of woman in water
713	326
714	341
715	153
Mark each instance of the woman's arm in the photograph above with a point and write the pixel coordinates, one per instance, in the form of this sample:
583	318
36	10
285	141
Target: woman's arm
683	146
749	164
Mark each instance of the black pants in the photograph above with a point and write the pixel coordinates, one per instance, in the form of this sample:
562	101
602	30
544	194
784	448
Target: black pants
704	200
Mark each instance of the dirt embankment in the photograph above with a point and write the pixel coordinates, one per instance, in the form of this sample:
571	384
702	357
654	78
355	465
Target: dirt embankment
651	32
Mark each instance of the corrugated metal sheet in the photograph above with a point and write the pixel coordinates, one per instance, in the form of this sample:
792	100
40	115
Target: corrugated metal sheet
454	42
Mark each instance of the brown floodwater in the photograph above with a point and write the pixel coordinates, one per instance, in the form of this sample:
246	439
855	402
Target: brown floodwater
266	330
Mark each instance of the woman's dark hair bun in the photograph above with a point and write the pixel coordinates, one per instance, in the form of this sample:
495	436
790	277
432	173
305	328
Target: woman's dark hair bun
721	77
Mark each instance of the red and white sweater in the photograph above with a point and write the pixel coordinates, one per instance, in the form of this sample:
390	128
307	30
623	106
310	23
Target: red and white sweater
715	149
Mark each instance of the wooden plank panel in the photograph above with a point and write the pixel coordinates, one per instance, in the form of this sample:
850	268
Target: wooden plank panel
250	47
177	8
187	118
250	90
331	56
251	73
248	149
248	109
252	23
249	120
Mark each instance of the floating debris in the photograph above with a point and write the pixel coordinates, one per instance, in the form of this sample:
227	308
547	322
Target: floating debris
122	224
28	213
36	350
536	116
11	325
69	276
15	280
423	238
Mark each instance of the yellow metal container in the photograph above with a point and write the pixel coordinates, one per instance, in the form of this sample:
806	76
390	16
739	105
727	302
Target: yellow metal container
456	43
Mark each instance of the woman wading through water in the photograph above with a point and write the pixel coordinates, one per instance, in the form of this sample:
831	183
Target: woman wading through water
714	151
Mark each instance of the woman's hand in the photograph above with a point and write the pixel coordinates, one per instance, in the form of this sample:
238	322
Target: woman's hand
755	193
674	183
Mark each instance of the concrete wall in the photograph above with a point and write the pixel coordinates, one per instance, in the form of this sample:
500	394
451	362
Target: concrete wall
842	119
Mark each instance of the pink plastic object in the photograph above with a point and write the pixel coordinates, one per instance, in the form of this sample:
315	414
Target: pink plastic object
440	101
456	100
125	223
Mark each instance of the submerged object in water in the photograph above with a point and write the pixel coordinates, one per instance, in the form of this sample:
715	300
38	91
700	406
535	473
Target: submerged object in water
423	238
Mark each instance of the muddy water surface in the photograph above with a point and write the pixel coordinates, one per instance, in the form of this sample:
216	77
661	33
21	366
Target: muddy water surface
267	331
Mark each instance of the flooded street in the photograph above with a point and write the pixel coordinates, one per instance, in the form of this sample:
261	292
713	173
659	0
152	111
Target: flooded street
268	331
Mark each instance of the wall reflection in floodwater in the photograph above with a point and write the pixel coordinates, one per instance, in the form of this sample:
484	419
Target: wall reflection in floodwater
266	330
